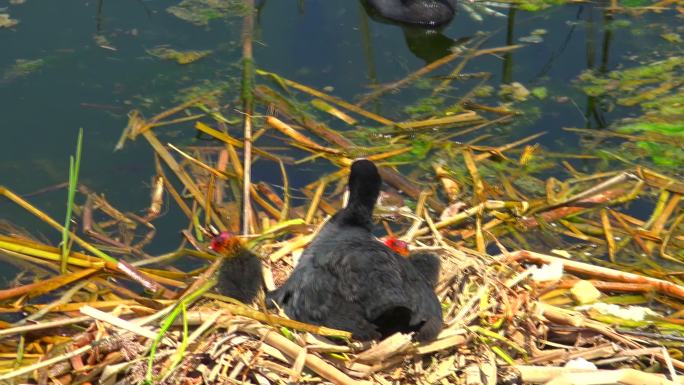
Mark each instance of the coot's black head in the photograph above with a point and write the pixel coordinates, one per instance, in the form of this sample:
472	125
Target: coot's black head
364	184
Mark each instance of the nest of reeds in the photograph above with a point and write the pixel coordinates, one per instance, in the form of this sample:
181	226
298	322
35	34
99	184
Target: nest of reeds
140	319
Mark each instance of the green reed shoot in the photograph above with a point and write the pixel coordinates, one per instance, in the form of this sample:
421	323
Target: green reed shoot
74	166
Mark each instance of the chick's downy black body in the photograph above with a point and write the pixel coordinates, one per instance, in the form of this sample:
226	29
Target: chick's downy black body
346	279
240	275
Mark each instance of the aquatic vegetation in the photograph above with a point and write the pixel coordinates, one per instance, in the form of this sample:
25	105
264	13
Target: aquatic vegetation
665	108
23	68
536	5
535	37
674	129
515	91
181	57
201	12
6	21
672	37
210	91
540	92
483	91
425	106
663	154
657	135
634	3
635	85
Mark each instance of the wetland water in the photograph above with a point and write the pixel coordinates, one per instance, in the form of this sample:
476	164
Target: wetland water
72	64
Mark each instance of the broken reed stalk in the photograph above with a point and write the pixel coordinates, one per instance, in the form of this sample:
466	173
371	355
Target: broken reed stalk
247	96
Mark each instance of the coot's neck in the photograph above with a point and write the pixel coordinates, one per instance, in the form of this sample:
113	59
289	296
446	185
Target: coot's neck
357	214
364	188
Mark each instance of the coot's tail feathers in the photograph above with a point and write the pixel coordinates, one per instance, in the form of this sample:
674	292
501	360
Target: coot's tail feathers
240	276
392	320
427	264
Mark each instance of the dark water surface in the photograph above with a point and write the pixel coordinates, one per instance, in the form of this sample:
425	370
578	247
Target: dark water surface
322	43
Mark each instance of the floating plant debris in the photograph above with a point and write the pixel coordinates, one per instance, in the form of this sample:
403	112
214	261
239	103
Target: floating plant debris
6	21
22	68
201	12
181	57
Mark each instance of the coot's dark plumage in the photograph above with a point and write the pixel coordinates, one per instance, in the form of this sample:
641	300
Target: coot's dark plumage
427	13
427	264
346	279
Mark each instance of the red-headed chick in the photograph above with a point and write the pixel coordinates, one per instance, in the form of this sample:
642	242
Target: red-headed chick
239	276
226	243
396	244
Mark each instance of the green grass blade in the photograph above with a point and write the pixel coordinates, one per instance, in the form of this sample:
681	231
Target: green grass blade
74	166
180	307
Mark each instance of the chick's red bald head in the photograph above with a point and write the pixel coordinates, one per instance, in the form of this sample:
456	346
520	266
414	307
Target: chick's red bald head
400	247
224	242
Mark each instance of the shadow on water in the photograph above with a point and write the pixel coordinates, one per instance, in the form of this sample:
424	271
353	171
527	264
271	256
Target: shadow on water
596	106
427	44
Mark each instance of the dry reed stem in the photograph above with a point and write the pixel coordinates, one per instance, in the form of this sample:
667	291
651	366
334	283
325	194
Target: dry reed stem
111	262
316	364
182	175
334	111
118	322
46	286
659	285
466	117
232	141
299	138
544	374
44	325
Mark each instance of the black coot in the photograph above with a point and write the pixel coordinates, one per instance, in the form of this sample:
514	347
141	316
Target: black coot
346	279
426	13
